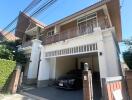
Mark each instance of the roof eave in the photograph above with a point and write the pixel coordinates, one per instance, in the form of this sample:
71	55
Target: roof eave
114	12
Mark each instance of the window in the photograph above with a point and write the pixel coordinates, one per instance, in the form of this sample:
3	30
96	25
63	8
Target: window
87	23
50	33
34	37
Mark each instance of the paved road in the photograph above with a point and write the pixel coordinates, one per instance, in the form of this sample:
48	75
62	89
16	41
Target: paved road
51	93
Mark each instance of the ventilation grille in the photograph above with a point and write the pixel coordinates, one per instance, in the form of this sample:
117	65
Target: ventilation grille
74	50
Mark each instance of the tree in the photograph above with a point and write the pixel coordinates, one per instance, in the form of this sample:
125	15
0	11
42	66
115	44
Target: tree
128	43
127	55
9	51
5	53
20	57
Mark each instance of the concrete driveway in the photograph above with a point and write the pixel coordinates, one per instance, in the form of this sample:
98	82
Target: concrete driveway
51	93
16	97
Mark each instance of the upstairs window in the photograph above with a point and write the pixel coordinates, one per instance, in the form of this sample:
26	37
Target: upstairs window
87	23
87	17
50	33
34	37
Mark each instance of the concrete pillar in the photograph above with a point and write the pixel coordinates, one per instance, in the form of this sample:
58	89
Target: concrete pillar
101	53
46	70
34	61
111	52
14	83
108	54
102	60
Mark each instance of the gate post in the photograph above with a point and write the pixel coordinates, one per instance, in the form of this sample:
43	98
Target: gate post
87	83
15	79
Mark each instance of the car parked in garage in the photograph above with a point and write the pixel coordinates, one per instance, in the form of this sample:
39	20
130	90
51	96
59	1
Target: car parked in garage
71	80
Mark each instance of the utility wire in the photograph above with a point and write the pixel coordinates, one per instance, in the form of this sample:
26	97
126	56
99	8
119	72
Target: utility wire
43	7
31	5
38	11
27	9
12	22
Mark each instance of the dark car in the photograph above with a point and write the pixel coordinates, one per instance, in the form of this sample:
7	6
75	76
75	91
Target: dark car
72	80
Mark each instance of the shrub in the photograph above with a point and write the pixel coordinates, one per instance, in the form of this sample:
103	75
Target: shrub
6	69
5	53
8	50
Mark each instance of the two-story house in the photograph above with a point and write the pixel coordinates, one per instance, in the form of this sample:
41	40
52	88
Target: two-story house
90	35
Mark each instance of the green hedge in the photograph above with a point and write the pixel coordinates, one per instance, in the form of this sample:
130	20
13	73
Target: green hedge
6	69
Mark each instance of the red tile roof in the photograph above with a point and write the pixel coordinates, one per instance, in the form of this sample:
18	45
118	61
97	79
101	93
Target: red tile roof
9	36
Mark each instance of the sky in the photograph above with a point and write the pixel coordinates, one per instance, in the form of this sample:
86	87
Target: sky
9	9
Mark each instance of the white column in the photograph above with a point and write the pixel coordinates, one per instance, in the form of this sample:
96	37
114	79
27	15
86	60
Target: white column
52	68
101	54
102	60
46	69
34	60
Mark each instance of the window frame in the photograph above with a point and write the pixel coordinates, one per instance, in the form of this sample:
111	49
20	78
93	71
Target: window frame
52	32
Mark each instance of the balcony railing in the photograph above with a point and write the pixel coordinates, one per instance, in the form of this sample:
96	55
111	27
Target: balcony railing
67	34
26	44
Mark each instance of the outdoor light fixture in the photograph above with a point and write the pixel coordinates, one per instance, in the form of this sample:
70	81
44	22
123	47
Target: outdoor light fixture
100	53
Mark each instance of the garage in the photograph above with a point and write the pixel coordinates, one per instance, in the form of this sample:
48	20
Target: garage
66	64
59	67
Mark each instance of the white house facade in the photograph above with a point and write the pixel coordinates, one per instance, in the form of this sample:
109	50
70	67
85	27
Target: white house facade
90	35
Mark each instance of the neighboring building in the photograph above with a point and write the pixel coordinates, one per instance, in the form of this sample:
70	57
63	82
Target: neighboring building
7	36
90	35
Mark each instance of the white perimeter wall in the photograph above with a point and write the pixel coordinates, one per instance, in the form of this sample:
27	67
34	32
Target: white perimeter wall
112	57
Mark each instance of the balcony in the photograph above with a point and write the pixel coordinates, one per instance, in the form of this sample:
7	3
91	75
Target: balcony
67	34
32	31
82	26
25	45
